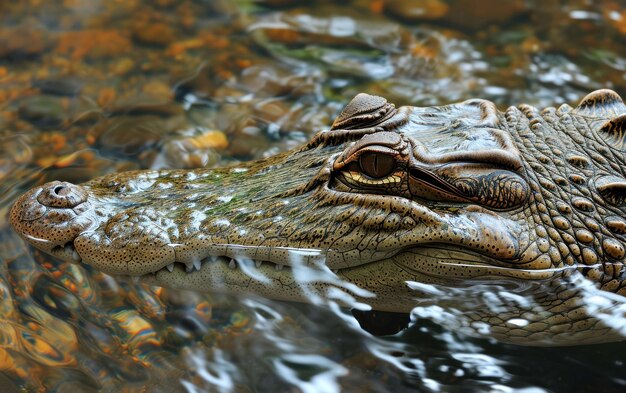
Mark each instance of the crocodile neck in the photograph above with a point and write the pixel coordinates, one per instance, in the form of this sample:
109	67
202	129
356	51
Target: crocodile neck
563	158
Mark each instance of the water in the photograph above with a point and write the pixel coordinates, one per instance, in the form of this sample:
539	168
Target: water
88	88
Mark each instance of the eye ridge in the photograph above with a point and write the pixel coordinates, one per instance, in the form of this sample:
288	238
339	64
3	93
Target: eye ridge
377	165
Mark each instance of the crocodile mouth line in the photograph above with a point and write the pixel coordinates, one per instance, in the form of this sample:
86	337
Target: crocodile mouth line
233	263
68	251
472	259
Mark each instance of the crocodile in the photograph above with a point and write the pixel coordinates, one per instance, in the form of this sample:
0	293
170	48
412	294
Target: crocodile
382	210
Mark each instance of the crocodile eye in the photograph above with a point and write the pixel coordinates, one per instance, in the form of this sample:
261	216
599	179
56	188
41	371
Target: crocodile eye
377	165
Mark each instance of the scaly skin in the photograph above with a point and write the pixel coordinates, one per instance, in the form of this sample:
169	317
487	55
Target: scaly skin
456	196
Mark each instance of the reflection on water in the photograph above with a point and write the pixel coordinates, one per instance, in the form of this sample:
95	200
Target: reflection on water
88	88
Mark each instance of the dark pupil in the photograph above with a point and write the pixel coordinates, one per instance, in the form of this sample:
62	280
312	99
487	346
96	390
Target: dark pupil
377	165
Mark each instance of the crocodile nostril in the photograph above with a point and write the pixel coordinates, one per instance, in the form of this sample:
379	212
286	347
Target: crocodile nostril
61	190
62	195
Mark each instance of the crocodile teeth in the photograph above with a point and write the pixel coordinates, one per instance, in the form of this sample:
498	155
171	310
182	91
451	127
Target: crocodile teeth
279	267
191	266
170	267
232	264
258	263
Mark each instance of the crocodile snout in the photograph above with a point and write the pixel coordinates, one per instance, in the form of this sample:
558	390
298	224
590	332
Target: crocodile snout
51	216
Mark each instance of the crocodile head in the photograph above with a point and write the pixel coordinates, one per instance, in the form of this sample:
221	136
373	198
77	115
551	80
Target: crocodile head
446	195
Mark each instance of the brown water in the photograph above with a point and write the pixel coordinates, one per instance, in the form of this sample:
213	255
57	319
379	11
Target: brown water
88	88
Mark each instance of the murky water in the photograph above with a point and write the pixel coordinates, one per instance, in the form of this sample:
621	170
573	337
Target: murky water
88	88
